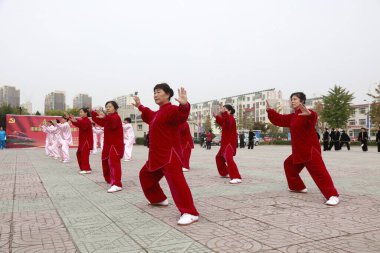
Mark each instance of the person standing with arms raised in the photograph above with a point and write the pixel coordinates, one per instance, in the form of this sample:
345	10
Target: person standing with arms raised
113	149
85	143
165	155
306	149
225	157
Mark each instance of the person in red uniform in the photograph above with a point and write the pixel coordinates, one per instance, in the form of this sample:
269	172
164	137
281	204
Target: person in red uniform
113	147
187	145
306	149
86	141
165	153
224	158
209	139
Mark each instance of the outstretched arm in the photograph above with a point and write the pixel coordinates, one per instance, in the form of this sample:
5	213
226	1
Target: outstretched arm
281	120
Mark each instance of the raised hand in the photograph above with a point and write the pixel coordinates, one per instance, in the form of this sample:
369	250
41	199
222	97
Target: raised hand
304	110
137	101
182	96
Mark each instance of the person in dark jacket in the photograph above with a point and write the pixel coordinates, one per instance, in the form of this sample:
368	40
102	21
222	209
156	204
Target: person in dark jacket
378	140
337	142
326	139
345	140
242	143
332	138
251	137
363	138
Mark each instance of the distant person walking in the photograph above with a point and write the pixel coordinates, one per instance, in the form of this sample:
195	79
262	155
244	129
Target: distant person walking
378	140
3	138
251	138
345	140
363	138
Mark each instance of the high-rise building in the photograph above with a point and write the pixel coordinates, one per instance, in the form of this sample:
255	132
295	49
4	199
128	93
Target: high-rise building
82	100
9	95
55	101
28	107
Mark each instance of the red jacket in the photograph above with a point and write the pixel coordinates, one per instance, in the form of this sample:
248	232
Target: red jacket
229	133
209	136
85	132
303	134
186	138
113	133
164	133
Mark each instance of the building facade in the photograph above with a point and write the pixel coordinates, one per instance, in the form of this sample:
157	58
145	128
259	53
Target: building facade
9	95
55	101
81	101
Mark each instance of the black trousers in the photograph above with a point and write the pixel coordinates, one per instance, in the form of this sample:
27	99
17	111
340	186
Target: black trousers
250	144
378	146
345	143
326	145
364	145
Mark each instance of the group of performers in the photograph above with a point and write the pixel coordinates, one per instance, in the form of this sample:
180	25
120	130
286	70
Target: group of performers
170	146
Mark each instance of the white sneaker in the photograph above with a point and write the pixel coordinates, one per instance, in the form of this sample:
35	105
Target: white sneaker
162	203
301	191
333	201
85	172
56	157
127	160
185	170
66	161
114	188
235	181
187	219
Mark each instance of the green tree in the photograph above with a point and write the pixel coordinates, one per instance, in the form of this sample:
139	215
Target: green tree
73	111
54	113
38	113
207	124
375	106
337	107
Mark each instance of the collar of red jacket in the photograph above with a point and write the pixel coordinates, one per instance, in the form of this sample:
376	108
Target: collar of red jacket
164	105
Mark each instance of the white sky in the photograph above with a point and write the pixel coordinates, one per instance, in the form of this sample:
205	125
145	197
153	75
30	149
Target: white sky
214	48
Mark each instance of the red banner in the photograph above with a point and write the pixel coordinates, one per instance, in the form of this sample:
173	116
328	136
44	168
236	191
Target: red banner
24	131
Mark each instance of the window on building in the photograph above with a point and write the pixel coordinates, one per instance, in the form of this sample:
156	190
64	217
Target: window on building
132	116
362	121
248	98
351	122
362	111
139	127
257	104
248	106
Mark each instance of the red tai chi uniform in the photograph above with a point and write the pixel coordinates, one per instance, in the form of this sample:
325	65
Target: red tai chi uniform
306	151
224	158
186	144
86	142
113	147
165	156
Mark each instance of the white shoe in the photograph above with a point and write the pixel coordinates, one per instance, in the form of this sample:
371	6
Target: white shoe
56	158
187	219
127	160
114	188
301	191
85	172
162	203
66	161
235	181
185	170
333	201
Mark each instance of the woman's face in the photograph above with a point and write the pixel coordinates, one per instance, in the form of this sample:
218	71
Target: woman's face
82	114
226	110
295	102
160	97
110	108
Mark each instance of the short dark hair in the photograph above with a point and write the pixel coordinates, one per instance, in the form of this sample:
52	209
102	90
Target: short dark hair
128	119
58	121
230	108
114	104
166	88
86	110
300	95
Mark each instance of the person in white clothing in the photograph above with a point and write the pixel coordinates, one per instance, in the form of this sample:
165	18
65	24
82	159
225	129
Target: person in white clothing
95	136
129	139
65	139
55	139
49	139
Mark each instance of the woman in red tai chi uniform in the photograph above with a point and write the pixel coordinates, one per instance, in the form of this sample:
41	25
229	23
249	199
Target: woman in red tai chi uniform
165	153
306	149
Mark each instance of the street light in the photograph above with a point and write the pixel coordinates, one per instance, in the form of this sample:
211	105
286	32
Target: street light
369	119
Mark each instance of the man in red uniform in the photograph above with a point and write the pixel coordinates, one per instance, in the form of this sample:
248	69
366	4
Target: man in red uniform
113	147
187	145
165	153
86	141
225	157
306	149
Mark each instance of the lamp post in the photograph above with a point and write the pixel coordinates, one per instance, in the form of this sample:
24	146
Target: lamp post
369	119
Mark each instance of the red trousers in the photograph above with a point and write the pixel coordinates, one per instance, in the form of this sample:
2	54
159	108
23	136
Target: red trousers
317	170
186	153
177	183
112	168
83	157
226	164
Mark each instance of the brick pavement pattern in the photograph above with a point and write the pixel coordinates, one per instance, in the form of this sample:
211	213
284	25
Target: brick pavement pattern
46	206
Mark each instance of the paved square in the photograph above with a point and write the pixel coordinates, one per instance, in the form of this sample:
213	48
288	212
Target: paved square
46	206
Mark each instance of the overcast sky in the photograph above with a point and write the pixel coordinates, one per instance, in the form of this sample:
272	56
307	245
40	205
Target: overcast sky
213	48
